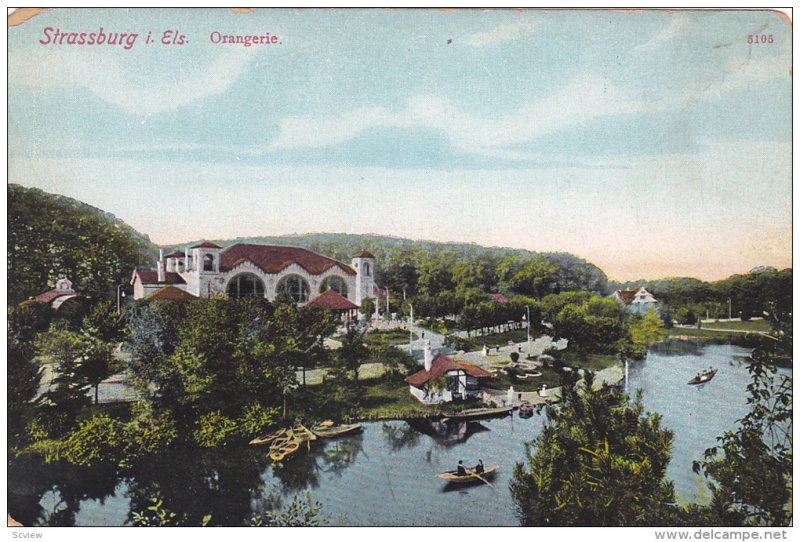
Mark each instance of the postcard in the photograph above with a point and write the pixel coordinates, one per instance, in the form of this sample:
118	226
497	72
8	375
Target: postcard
400	267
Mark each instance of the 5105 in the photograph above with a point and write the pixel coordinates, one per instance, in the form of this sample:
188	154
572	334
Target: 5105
755	39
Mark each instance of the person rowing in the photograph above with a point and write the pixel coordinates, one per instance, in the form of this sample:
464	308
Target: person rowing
461	470
479	467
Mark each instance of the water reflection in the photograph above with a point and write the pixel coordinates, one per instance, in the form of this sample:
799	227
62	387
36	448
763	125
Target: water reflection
449	433
222	483
53	496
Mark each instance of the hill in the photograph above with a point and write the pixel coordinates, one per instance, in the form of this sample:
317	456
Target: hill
52	236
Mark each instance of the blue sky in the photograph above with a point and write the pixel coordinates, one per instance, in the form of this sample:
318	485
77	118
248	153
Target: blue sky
651	143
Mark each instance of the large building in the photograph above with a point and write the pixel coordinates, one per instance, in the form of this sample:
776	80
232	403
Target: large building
245	270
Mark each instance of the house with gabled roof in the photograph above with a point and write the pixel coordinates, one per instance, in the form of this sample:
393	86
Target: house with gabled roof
445	379
637	300
268	271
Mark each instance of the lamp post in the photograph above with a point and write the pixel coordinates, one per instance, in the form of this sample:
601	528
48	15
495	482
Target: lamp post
120	295
729	308
527	317
411	331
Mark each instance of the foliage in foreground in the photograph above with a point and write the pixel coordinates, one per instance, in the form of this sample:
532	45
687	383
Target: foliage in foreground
750	471
298	513
600	461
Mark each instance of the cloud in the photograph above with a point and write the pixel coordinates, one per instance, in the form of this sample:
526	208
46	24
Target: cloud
502	33
121	81
583	100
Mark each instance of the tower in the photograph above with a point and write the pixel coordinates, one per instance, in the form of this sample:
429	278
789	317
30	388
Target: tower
364	264
205	266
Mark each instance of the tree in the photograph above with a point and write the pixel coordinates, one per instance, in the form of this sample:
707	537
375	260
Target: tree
96	367
596	325
66	350
600	461
23	373
353	352
750	471
647	329
367	307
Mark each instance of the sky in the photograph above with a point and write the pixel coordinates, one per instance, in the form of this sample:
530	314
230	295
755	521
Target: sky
651	143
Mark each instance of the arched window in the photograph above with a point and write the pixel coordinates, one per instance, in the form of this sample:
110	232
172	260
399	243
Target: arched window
334	283
208	262
245	285
366	269
295	287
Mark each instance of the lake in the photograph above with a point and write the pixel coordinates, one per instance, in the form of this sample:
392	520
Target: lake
385	475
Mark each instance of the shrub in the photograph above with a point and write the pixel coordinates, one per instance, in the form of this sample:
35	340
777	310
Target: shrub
99	438
255	419
214	429
48	424
148	432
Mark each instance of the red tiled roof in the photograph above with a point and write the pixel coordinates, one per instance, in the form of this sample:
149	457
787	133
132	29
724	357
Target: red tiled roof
151	277
333	301
500	298
52	295
207	244
364	254
170	293
273	259
627	295
442	364
176	254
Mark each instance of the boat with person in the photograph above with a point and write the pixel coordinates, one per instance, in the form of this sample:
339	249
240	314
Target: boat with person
476	413
703	377
452	476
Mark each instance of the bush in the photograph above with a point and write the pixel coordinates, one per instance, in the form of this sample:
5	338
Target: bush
48	424
255	419
99	438
214	429
148	432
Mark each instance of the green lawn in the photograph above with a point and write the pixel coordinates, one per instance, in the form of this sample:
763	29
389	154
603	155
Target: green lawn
593	362
385	400
699	333
502	382
751	325
498	339
388	336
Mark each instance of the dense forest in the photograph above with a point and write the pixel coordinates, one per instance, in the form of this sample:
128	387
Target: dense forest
52	236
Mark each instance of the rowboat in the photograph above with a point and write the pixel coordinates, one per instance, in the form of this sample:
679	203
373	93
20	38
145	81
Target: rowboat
269	438
282	450
285	442
703	378
335	430
525	410
452	478
476	413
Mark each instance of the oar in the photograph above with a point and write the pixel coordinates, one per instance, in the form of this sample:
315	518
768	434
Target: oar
481	478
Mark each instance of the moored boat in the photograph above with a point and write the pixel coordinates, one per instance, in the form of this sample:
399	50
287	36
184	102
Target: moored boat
703	378
476	413
452	477
525	410
269	438
333	431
